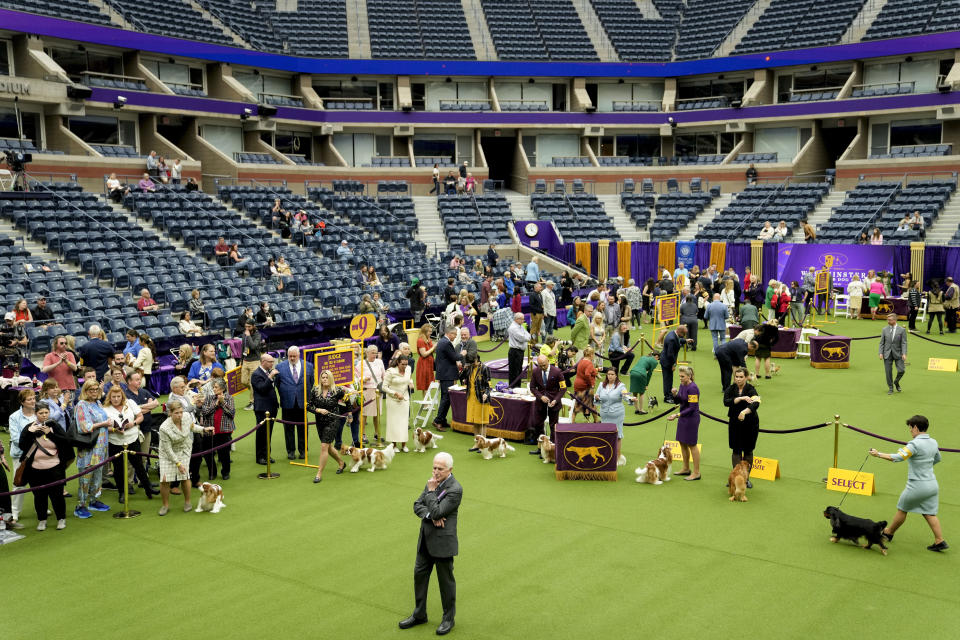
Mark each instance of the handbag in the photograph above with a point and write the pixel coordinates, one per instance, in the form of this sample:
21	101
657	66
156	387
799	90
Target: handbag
80	439
21	470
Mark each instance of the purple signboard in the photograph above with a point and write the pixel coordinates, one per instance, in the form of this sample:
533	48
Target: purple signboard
793	260
538	234
339	363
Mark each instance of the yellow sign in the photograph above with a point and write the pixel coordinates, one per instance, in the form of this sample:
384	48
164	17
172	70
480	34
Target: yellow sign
941	364
363	326
675	449
765	468
844	479
667	308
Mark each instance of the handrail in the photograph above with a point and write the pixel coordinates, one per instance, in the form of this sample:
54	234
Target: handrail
750	216
815	89
876	213
903	176
326	222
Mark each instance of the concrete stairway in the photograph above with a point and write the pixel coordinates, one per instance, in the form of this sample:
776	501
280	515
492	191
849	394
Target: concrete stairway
594	29
648	9
114	15
358	30
621	219
237	40
821	214
941	231
479	33
736	34
709	213
868	13
520	206
430	228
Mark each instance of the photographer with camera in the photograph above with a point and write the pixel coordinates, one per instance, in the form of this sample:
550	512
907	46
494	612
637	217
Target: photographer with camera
13	338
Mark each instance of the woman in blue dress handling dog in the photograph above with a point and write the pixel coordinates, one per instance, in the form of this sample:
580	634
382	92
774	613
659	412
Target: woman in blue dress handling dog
688	422
609	398
922	494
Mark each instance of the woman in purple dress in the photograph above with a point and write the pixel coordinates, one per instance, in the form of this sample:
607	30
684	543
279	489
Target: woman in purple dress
469	314
688	422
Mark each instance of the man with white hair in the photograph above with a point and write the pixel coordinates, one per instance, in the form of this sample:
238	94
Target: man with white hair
468	346
146	304
263	382
344	252
518	338
446	364
549	308
437	543
293	378
96	353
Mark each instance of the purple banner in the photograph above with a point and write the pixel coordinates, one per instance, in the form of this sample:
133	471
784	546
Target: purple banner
538	234
793	260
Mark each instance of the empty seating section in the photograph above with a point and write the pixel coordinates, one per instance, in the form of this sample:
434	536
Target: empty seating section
80	10
814	96
389	161
186	90
915	151
113	82
623	161
475	220
884	205
115	150
578	216
12	144
176	19
282	101
885	89
636	38
249	20
537	30
318	28
353	104
418	29
572	161
674	212
913	17
524	105
713	158
302	160
789	24
742	219
705	25
636	105
465	105
743	158
638	207
255	158
715	102
429	161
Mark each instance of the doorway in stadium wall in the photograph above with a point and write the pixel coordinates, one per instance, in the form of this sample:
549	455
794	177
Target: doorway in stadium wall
500	152
837	136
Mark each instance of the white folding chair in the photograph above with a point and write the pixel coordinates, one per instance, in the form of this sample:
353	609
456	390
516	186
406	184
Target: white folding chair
426	406
841	304
803	345
922	313
6	180
566	411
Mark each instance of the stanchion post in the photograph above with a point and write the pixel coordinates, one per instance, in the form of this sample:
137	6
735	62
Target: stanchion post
836	441
268	475
127	511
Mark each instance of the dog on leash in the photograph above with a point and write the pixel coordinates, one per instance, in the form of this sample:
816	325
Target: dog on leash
656	471
548	450
423	440
847	527
211	498
652	402
373	458
490	446
737	482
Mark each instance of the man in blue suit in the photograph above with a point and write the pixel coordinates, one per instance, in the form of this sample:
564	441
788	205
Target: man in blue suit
291	374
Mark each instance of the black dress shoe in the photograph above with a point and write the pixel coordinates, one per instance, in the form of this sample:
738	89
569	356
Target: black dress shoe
226	476
261	461
411	622
444	628
473	449
291	456
535	452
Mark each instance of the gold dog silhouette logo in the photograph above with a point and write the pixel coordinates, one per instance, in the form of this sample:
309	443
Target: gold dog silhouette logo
587	453
884	307
834	351
496	412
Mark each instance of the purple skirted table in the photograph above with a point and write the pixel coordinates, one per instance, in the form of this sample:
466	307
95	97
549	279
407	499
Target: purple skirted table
896	305
510	416
784	347
830	352
499	369
586	451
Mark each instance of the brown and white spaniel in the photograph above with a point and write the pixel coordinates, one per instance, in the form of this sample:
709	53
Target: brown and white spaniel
548	450
211	498
423	440
490	446
657	471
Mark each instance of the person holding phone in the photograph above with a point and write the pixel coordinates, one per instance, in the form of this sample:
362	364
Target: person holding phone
124	431
47	453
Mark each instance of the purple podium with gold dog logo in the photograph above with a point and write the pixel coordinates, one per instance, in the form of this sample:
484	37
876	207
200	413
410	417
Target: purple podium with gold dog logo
830	352
586	451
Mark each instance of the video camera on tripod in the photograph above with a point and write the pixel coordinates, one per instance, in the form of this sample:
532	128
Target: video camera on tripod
17	160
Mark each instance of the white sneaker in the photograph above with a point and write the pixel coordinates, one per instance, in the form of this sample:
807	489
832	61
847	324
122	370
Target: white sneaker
42	525
61	524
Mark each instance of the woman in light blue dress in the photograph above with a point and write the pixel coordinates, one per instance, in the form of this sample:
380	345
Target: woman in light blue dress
609	401
921	495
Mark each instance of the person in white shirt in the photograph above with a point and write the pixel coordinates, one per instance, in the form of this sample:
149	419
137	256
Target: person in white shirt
767	232
781	232
188	327
549	308
124	432
855	289
176	170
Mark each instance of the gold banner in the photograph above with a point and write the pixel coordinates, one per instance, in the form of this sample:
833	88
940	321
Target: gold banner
667	256
624	260
718	255
582	255
603	259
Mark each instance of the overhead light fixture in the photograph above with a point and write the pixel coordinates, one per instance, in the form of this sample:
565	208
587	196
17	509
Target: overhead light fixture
407	108
79	92
736	104
119	102
266	110
246	113
590	108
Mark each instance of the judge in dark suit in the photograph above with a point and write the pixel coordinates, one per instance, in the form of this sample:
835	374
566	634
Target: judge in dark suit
263	383
437	544
893	351
446	362
291	374
668	360
548	386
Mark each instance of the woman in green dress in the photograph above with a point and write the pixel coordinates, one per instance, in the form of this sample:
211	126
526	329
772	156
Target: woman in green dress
640	376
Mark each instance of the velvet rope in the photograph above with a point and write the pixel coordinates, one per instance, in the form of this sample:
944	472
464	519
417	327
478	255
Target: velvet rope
794	430
497	346
64	481
879	437
203	453
876	337
648	420
922	337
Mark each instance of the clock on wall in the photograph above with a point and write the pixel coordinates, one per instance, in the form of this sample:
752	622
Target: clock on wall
531	229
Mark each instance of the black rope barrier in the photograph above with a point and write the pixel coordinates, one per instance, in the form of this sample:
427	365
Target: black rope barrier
794	430
923	337
879	437
64	481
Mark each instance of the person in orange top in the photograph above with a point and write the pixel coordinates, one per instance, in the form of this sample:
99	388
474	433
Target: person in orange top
425	349
583	384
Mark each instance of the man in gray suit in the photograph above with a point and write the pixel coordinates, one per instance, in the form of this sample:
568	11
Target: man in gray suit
468	346
437	545
893	349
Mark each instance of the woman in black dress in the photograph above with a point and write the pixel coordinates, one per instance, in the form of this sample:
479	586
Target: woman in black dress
327	402
766	335
566	289
742	402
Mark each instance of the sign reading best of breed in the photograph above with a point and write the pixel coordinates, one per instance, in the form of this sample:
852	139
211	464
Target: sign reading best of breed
942	364
765	468
675	450
844	479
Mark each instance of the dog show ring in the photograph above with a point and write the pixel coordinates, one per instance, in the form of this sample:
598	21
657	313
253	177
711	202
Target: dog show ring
586	451
830	352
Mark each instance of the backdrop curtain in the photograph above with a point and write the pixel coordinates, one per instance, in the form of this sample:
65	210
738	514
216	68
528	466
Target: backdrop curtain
718	255
582	256
738	257
624	261
667	256
646	257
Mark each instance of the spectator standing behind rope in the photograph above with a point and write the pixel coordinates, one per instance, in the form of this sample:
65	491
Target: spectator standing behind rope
855	289
922	493
124	431
742	402
47	453
90	417
217	410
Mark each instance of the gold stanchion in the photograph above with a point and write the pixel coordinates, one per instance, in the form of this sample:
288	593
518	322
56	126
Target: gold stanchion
836	441
268	475
127	511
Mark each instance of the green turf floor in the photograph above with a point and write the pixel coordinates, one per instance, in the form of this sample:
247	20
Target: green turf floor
539	558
